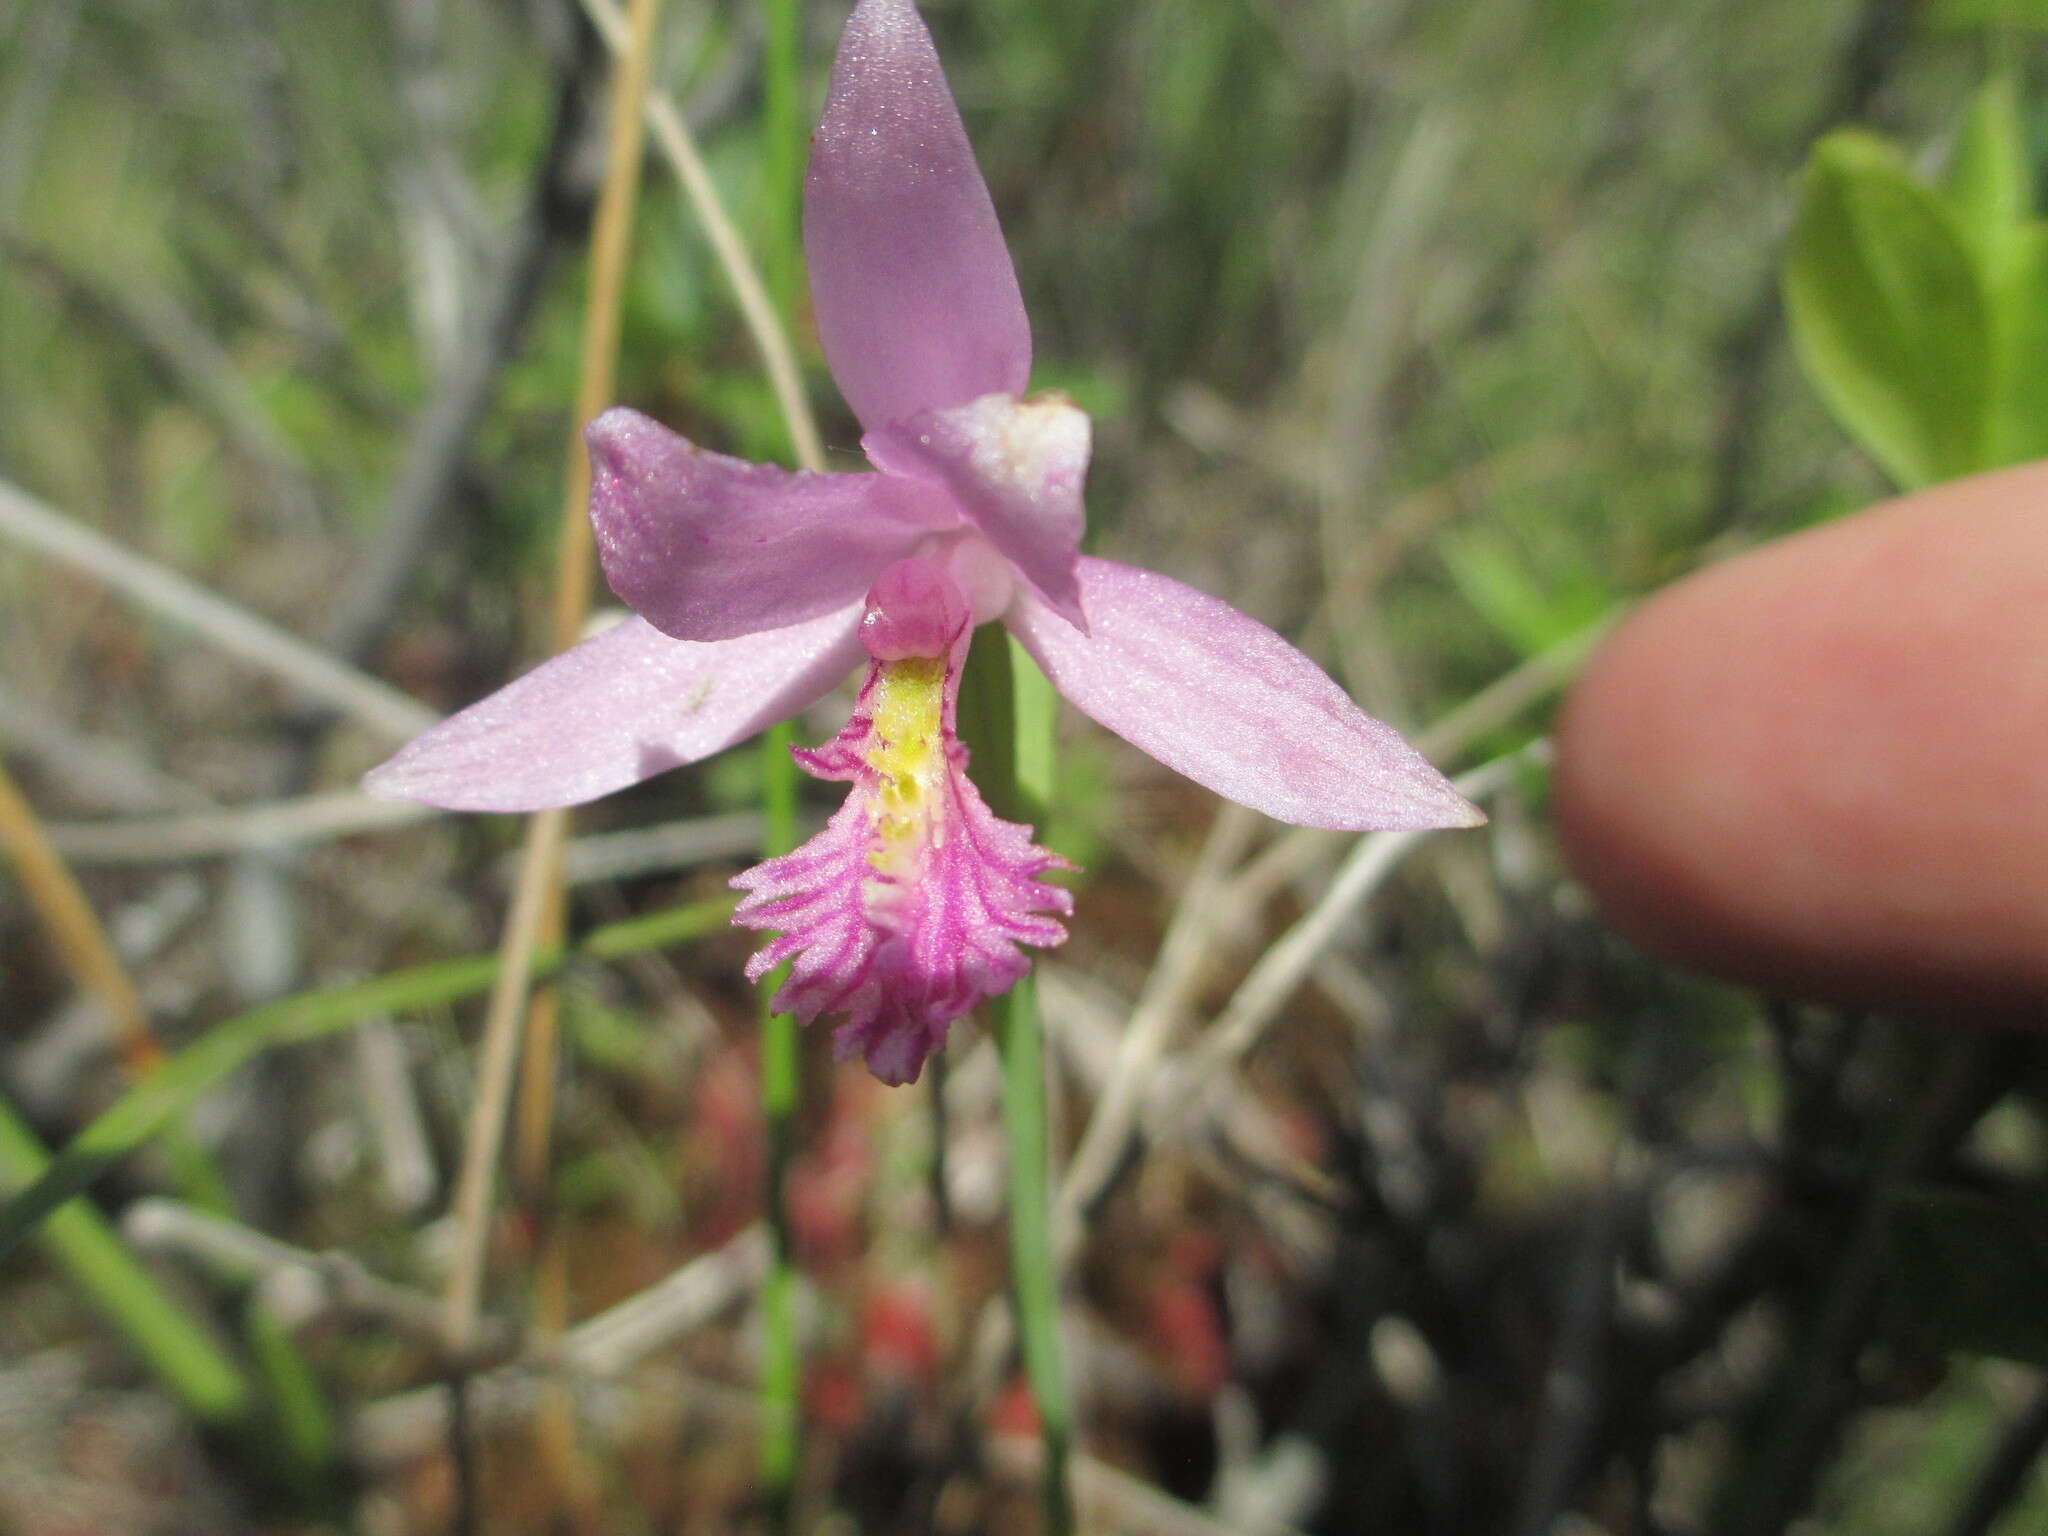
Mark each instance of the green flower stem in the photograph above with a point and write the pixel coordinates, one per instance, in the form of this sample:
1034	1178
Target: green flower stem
78	1240
781	1369
785	132
1006	714
196	1173
158	1101
1037	705
306	1439
1034	1279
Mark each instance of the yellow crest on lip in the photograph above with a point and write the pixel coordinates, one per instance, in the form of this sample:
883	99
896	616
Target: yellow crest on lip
907	753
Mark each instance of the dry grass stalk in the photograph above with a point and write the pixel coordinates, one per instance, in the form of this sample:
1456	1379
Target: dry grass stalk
88	954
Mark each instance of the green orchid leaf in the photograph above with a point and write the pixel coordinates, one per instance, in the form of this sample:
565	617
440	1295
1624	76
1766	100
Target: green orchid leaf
1989	188
1989	184
1889	314
2019	407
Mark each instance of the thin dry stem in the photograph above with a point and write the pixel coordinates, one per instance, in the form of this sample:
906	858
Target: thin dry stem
611	239
603	1348
99	770
484	1135
87	952
679	147
657	1317
1204	910
406	1173
236	829
1183	962
1500	701
336	1283
610	250
1368	348
294	822
1288	961
536	902
315	673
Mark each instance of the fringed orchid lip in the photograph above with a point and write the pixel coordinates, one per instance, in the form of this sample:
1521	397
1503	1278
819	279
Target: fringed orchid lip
910	907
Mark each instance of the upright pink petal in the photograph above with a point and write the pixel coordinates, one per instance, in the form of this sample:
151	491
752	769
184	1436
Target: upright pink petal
916	301
908	909
1219	697
617	709
1016	468
706	547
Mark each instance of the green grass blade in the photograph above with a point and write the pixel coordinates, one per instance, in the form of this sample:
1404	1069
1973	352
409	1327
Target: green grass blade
785	133
1007	712
1034	1278
77	1238
306	1438
781	1375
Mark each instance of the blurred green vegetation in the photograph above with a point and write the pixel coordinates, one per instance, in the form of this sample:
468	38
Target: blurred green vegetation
1919	311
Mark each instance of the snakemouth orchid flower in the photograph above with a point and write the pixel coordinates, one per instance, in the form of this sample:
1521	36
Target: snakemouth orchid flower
758	589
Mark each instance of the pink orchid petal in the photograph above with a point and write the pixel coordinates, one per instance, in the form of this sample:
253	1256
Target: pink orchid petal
916	301
1216	695
617	709
1016	468
706	547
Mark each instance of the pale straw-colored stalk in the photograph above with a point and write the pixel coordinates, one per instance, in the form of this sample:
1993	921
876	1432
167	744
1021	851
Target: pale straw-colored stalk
74	928
535	916
678	146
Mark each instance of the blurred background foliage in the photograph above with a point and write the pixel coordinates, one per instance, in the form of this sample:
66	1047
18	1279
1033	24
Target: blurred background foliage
1433	333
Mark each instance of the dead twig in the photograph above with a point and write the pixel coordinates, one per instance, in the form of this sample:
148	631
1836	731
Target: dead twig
771	339
256	641
74	927
1183	1095
536	913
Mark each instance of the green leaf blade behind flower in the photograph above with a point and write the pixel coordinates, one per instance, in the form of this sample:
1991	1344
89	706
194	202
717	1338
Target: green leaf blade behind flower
1989	185
2018	428
1889	314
